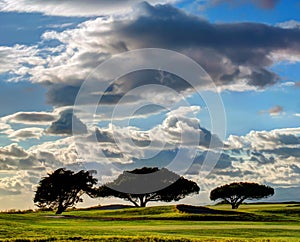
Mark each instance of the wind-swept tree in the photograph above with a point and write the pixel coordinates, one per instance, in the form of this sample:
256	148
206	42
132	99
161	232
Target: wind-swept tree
144	185
236	193
63	188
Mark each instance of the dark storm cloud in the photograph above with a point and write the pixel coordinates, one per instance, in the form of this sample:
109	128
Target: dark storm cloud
32	117
148	77
232	53
110	154
65	95
261	158
296	169
285	152
242	44
289	139
207	139
262	77
67	124
108	137
104	136
229	77
61	95
224	162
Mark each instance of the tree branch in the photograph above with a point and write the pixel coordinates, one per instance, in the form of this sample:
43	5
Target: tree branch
131	200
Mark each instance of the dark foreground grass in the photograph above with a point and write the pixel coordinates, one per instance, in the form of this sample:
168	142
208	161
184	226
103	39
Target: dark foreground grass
164	223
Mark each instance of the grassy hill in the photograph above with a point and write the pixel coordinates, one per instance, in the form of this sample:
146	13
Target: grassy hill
252	222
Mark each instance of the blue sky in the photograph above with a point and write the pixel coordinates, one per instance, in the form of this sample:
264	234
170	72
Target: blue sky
249	48
27	28
249	12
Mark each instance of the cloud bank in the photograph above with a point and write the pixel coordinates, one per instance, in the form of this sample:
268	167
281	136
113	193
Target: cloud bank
237	56
72	7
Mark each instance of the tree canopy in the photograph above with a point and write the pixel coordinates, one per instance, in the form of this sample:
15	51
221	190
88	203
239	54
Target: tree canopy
63	188
236	193
128	186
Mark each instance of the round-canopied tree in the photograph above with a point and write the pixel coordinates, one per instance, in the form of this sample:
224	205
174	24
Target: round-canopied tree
172	186
237	192
63	188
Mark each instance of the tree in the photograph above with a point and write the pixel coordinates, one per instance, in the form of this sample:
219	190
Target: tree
63	188
140	190
236	193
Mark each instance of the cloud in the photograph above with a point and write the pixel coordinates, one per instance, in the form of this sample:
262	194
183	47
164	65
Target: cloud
38	118
224	162
4	127
288	84
71	7
266	140
120	144
237	56
17	60
21	169
265	4
187	131
285	152
129	145
10	186
64	94
260	156
274	111
291	24
19	182
12	150
5	192
65	123
269	156
180	127
26	133
38	158
14	157
61	95
242	59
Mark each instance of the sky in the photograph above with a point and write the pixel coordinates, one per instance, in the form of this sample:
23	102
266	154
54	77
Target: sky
68	99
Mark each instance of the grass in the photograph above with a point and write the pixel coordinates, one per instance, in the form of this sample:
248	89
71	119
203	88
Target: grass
259	222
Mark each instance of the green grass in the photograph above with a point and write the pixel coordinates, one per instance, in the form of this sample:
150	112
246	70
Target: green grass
268	222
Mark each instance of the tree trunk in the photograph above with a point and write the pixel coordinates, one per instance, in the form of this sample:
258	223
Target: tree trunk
60	209
234	205
142	201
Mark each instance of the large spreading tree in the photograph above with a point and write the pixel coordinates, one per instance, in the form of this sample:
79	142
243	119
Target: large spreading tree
236	193
63	188
148	184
